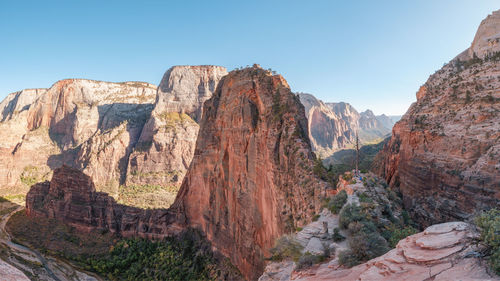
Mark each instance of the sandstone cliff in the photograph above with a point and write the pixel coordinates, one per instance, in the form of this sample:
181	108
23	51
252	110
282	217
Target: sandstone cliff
71	197
250	180
44	128
166	145
118	133
444	153
333	126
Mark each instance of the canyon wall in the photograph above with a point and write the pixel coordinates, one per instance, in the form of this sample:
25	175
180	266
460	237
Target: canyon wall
333	126
444	154
166	145
118	133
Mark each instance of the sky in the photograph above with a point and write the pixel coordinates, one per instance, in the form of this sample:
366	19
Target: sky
372	54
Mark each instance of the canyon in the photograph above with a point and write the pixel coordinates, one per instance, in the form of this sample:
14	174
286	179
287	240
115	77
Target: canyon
444	153
236	156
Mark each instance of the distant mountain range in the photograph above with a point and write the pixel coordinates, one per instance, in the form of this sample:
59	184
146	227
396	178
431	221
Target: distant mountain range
333	126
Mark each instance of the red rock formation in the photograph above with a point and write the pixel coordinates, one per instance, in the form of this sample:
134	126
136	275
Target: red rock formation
71	197
250	179
444	153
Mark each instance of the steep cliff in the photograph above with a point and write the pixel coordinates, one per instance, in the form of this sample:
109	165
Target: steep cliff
333	126
444	153
44	128
250	180
166	145
121	134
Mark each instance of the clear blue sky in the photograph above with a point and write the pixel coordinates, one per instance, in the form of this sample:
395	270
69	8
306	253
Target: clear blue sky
372	54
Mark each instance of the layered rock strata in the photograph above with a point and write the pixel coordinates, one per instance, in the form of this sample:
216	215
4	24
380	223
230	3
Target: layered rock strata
167	142
444	154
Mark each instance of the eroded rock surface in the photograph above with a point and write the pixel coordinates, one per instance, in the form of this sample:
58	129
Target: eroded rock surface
444	154
249	181
71	197
91	125
167	142
423	256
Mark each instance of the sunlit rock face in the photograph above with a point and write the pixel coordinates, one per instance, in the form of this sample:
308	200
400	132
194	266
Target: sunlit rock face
444	154
166	145
250	179
88	124
333	126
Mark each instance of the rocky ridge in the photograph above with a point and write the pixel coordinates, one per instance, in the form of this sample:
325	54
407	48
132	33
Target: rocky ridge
444	153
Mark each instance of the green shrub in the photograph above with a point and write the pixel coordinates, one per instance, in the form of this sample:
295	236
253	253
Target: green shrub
308	259
396	233
337	237
364	198
364	246
489	225
337	202
347	176
315	218
350	213
286	248
182	258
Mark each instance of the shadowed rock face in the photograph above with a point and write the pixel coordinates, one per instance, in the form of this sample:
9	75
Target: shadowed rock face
444	153
71	197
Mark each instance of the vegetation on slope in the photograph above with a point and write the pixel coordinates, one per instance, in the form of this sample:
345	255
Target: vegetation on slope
185	257
489	225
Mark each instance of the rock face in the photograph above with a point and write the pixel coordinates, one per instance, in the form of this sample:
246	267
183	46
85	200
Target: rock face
333	126
166	145
442	252
10	273
249	180
487	39
88	124
114	132
444	153
71	197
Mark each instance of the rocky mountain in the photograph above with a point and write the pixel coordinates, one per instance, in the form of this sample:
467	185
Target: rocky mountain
89	124
250	180
444	153
167	142
333	126
118	133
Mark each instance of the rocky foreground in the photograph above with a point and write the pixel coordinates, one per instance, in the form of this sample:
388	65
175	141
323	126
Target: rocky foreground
441	252
444	154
